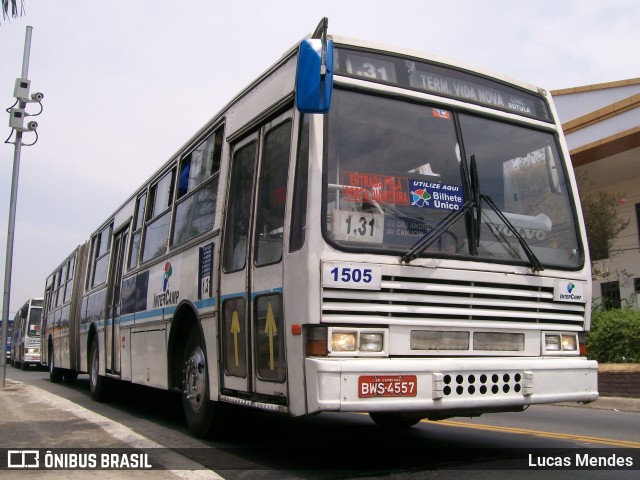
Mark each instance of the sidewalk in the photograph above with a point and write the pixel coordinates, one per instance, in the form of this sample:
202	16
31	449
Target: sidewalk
32	419
620	404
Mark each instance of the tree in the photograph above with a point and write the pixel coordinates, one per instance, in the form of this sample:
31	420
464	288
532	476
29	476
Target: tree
602	219
17	8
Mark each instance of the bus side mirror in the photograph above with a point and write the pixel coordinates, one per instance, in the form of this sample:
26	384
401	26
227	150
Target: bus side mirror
314	81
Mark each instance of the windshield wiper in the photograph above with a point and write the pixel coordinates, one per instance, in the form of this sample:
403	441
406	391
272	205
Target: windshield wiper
475	192
536	265
470	189
426	241
471	184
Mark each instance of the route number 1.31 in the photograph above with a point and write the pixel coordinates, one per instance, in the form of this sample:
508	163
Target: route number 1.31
357	226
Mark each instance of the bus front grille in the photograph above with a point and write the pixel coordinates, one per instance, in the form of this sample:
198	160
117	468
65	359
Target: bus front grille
433	301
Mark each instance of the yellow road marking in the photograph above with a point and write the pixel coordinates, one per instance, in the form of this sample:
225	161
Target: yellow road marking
538	433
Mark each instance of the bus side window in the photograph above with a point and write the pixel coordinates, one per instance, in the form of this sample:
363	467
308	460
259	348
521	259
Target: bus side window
134	252
299	208
240	195
54	290
197	190
47	294
200	164
159	217
101	259
273	194
60	286
71	266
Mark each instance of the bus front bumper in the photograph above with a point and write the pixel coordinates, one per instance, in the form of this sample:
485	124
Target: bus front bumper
447	387
31	358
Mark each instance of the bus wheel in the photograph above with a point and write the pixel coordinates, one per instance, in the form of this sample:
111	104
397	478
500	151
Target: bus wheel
198	409
97	383
70	376
55	374
394	420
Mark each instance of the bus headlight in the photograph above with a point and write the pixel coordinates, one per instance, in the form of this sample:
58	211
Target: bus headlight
371	342
569	343
346	341
552	343
561	343
343	341
357	341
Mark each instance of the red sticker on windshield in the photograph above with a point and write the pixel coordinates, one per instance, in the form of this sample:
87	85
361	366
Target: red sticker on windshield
368	187
439	113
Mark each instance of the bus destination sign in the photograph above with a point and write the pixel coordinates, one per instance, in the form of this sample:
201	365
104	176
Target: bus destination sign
471	91
439	80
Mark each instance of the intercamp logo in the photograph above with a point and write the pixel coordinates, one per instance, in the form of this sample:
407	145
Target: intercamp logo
166	273
574	293
167	296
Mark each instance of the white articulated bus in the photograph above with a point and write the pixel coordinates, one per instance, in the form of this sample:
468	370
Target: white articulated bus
61	318
361	229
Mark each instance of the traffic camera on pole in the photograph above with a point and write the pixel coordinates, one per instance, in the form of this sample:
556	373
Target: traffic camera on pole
18	113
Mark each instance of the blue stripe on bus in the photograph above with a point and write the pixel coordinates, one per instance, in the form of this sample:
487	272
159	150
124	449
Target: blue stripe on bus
263	292
131	318
143	315
253	294
205	303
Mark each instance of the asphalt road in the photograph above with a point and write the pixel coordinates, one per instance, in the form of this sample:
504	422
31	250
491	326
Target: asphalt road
253	444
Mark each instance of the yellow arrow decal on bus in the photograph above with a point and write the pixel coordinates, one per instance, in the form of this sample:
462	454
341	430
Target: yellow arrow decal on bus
270	329
235	330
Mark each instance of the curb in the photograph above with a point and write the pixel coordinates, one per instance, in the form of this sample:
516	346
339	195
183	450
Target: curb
618	404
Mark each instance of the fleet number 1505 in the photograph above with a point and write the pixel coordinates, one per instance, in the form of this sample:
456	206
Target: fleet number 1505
347	274
352	275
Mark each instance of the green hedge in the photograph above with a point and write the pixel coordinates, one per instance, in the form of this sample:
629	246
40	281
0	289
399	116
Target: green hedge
614	336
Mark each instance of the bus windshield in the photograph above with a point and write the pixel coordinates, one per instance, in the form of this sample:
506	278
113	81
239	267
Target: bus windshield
35	316
395	169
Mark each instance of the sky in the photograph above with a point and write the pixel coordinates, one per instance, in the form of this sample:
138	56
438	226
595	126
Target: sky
126	84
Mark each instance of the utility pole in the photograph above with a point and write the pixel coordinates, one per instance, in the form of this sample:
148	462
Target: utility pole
16	122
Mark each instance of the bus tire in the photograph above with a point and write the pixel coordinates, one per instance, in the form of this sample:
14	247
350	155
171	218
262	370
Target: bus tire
394	421
97	383
198	409
70	376
55	374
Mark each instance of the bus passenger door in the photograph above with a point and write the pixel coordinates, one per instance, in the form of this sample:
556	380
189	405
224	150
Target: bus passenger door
251	286
112	332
